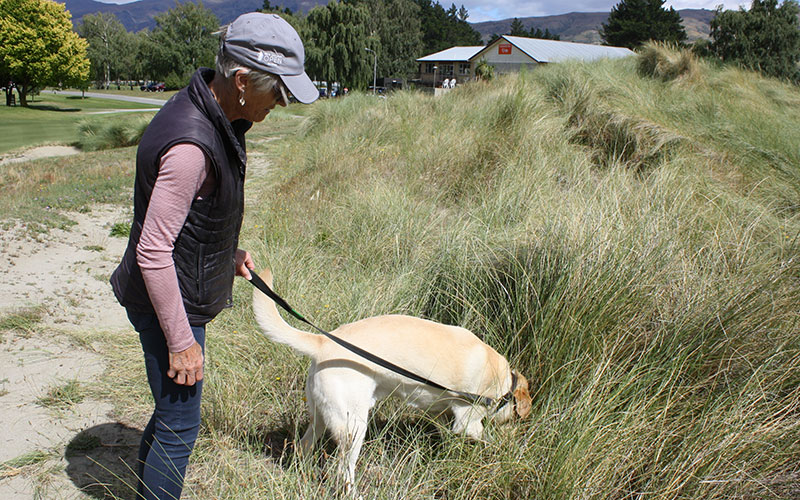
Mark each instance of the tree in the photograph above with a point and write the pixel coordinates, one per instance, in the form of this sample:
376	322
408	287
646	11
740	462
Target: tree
38	46
633	22
107	44
443	29
276	9
484	70
182	41
129	62
337	35
766	38
517	28
396	25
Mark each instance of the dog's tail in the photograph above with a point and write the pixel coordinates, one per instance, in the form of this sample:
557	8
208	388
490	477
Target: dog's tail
274	327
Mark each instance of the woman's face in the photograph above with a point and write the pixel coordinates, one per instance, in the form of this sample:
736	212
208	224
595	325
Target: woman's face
258	103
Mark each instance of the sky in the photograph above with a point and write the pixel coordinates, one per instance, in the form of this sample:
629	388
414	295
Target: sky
494	10
491	10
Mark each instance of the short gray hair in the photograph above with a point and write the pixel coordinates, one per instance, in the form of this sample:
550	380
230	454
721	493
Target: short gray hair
228	67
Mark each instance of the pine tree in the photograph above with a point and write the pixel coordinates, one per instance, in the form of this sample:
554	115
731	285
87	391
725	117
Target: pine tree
518	29
442	29
766	38
633	22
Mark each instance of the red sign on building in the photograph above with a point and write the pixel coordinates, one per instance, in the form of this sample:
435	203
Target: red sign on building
504	48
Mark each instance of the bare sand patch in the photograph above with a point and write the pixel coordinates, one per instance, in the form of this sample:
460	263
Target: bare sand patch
38	152
66	271
64	274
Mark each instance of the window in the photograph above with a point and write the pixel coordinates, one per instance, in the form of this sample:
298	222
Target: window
463	69
429	67
447	70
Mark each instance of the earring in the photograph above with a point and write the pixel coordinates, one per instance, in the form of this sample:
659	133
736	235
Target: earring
241	98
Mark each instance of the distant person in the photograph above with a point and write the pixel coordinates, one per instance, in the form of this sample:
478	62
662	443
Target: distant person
177	271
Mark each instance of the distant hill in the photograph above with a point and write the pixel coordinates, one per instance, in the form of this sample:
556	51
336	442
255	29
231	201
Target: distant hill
574	27
136	16
584	27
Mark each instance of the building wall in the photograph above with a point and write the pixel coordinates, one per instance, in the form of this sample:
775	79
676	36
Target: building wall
462	71
505	58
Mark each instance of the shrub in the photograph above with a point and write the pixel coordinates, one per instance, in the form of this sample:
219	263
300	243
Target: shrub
97	135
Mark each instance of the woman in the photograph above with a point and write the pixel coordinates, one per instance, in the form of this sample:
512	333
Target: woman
177	271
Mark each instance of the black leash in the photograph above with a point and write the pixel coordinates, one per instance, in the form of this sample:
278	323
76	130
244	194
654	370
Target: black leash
257	282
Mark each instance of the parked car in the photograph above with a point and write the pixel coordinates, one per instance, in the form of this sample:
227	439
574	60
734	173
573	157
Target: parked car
153	87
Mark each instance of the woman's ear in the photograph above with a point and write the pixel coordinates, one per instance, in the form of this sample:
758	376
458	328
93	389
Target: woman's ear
240	81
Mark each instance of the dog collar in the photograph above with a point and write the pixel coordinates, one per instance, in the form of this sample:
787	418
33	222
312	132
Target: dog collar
509	396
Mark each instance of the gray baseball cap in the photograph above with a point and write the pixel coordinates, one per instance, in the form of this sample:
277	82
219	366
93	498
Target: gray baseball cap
266	42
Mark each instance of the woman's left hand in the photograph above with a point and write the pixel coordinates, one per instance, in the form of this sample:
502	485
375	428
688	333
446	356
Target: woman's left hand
244	263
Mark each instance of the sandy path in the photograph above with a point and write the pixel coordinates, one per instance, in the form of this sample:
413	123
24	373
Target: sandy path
38	152
64	273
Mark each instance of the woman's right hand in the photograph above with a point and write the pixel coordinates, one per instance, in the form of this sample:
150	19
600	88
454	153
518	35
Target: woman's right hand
186	367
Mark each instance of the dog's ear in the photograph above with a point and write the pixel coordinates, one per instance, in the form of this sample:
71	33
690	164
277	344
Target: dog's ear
522	397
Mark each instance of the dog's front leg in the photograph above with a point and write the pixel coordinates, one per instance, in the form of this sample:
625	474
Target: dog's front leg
468	420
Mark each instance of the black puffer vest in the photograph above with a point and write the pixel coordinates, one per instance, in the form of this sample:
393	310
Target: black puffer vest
205	249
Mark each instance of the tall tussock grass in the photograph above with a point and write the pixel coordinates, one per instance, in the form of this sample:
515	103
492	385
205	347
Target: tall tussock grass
629	239
665	61
96	135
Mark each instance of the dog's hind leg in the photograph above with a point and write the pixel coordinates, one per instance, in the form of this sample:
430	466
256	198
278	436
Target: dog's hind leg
315	430
349	432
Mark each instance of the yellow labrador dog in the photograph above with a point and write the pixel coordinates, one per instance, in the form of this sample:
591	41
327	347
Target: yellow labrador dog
342	387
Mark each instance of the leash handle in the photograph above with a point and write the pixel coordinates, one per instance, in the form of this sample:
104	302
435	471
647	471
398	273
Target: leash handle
257	282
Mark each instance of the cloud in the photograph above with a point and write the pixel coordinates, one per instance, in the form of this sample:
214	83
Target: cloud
489	10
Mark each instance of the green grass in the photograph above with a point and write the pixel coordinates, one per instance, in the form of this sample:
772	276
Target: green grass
120	230
627	236
39	192
53	118
125	90
626	232
63	396
22	321
111	134
32	458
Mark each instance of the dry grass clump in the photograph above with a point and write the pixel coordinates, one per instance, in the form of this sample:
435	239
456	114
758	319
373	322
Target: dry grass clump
631	243
667	62
98	135
583	220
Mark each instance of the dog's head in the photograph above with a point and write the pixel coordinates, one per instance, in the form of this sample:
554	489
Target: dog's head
522	396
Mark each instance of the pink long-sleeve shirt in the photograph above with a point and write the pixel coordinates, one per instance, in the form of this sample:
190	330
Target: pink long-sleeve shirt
185	174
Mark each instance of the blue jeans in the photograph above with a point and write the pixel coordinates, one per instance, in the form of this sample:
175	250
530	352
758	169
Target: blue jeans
169	437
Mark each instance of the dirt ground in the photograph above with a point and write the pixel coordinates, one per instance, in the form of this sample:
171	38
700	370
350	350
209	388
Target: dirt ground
38	152
49	452
81	452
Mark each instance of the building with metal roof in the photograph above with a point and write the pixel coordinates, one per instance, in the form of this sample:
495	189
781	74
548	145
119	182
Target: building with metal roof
508	54
452	63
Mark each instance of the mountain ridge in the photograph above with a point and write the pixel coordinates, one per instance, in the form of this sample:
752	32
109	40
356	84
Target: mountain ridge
581	27
585	27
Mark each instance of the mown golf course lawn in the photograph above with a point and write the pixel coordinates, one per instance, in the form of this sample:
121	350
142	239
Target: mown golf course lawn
52	119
